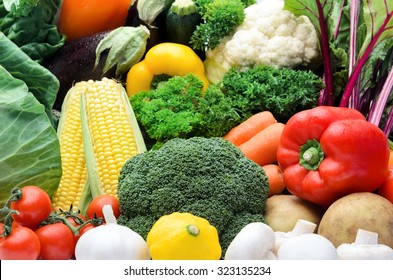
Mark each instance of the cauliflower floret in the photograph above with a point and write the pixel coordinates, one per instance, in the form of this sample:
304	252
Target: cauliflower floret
269	35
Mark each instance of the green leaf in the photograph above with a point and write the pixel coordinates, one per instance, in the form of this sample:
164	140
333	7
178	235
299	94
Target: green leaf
19	7
40	81
378	16
32	27
30	153
309	8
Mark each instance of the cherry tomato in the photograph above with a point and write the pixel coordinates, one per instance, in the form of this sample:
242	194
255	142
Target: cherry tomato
80	18
21	244
98	202
57	242
85	229
14	225
33	207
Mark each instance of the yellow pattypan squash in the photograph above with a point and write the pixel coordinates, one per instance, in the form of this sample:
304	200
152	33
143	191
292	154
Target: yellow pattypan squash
183	236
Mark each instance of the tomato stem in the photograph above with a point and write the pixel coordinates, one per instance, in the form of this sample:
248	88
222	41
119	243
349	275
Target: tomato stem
62	216
7	212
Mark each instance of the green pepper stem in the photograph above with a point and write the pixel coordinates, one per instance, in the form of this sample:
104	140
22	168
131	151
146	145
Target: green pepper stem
311	155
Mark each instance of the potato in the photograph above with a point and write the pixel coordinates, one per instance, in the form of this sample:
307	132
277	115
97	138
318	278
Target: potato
365	210
284	210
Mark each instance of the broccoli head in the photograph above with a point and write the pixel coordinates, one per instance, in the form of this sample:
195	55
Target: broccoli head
208	177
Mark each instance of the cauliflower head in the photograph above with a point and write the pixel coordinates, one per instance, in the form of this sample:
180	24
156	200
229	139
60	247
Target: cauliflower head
269	35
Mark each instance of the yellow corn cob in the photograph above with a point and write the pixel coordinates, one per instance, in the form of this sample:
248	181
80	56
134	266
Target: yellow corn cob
111	134
106	133
74	169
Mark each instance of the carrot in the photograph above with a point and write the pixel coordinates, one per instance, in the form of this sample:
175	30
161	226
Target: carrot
391	160
262	148
275	177
247	129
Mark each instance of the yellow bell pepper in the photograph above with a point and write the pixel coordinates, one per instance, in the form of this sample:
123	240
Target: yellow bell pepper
165	58
183	236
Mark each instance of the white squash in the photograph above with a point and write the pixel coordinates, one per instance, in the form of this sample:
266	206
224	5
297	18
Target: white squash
254	242
111	241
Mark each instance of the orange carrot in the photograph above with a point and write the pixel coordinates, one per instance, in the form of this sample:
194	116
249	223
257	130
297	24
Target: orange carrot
275	177
262	148
247	129
391	159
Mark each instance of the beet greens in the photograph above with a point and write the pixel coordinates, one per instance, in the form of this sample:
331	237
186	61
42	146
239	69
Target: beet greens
356	41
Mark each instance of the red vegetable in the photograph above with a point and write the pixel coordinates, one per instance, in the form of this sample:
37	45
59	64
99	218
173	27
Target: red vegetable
98	202
21	244
57	242
33	207
328	152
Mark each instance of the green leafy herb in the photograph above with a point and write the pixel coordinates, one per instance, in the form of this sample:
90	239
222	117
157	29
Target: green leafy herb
221	17
179	108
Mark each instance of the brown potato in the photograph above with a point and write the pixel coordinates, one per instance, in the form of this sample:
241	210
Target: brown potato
365	210
284	210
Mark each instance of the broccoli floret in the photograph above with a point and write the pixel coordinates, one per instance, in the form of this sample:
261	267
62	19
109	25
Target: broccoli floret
221	17
208	177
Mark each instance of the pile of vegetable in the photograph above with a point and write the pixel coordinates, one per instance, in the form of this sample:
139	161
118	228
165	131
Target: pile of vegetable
207	177
196	129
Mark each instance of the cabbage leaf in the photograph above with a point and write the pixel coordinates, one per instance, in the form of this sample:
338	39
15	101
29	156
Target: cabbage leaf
30	150
40	81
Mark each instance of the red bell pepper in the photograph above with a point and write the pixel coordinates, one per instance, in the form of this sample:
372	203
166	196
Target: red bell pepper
329	152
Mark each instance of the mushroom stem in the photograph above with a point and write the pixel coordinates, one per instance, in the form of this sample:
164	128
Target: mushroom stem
366	237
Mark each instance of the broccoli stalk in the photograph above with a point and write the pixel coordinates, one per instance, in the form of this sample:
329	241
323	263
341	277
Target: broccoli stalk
208	177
